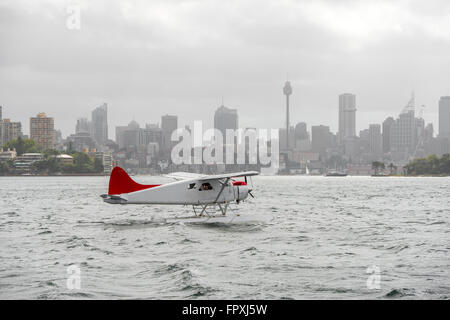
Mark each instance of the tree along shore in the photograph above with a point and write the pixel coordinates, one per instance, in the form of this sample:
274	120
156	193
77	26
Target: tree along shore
429	166
80	164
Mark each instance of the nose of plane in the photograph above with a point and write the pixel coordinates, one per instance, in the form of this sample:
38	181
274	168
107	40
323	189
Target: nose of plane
243	190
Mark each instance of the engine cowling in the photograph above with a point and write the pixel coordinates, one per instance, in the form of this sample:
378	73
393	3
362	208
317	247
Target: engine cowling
241	192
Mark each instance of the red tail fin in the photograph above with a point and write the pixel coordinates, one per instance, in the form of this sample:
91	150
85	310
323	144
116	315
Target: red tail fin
120	182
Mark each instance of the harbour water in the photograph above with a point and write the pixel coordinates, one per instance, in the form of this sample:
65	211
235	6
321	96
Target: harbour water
316	237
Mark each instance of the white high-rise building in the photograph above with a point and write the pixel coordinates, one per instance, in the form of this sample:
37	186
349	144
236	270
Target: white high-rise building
347	117
99	125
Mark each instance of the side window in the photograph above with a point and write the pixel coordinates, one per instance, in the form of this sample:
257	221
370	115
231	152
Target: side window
191	186
205	186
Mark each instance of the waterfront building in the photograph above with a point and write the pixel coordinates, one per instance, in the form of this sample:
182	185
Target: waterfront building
6	155
42	131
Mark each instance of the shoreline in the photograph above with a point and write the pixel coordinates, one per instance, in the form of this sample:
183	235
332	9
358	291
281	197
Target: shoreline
58	175
281	175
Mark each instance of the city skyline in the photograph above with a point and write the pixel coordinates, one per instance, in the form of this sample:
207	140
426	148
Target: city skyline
167	58
333	119
398	139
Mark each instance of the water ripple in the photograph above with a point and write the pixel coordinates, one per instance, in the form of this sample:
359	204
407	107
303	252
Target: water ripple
325	238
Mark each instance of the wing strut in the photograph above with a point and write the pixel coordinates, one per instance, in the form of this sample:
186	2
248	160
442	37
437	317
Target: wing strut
221	189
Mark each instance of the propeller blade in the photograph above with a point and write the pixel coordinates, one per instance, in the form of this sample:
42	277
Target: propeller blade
245	179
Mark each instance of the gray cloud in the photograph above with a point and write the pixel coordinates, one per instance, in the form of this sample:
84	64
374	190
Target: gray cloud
180	57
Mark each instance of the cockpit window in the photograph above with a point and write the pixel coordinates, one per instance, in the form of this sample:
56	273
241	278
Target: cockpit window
205	186
191	186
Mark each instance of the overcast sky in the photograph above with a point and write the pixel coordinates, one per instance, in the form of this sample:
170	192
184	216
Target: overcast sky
149	58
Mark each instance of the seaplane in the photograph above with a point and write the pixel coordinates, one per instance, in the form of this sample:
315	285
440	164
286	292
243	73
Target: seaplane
202	192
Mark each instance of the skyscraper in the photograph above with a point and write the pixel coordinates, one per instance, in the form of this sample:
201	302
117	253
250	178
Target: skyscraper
83	125
42	131
225	118
320	139
387	124
287	91
169	124
301	137
403	134
407	134
58	142
347	116
131	136
375	140
120	134
9	131
444	117
150	135
99	124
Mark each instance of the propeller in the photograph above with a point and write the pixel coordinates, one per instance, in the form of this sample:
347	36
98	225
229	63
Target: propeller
250	190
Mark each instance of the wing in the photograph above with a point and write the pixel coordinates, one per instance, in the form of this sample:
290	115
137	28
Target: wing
204	177
184	175
228	175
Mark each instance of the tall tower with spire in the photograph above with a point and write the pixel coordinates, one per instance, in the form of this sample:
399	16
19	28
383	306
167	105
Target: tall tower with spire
287	91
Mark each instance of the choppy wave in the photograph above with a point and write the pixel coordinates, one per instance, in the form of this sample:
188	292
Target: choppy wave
326	238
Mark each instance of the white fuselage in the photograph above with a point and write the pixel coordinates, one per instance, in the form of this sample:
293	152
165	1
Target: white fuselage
187	192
